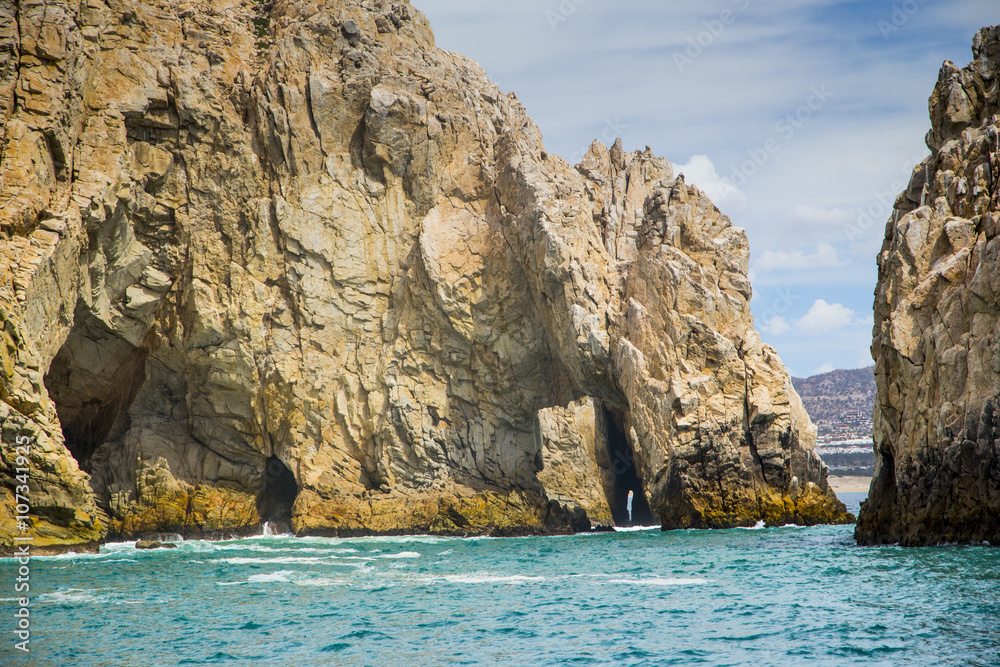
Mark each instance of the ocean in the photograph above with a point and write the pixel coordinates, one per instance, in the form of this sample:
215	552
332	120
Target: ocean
765	596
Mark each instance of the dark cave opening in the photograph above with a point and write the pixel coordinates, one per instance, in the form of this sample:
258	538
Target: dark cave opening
274	503
883	487
93	380
625	477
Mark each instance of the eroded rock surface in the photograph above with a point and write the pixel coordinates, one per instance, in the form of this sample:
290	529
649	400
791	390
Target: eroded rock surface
294	252
937	326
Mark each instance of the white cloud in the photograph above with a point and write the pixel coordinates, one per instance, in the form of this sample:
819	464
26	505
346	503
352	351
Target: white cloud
824	257
700	171
825	368
777	326
825	318
820	216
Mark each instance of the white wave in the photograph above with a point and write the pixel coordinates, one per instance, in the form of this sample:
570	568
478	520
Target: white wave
106	550
166	537
281	576
757	526
403	554
267	531
270	578
71	555
261	548
81	596
489	579
117	546
388	539
279	559
72	596
250	544
320	581
660	581
634	529
292	549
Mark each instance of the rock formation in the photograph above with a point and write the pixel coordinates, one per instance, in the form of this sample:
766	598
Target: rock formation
293	261
937	326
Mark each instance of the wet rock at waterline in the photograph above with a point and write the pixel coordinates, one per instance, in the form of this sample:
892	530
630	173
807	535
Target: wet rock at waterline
153	544
937	326
315	269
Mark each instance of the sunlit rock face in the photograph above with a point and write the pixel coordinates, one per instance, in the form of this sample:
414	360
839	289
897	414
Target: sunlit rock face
261	255
937	326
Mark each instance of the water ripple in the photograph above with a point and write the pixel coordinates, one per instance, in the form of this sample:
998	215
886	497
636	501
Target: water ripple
738	597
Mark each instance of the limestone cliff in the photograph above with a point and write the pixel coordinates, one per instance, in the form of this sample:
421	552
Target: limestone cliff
292	261
937	326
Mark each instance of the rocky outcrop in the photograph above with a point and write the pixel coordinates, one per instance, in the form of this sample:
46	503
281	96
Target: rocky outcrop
293	261
937	326
153	544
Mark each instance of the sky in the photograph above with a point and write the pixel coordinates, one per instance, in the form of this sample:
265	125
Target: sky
801	119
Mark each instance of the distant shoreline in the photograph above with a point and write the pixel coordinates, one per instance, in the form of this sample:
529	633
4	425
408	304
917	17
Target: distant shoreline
849	484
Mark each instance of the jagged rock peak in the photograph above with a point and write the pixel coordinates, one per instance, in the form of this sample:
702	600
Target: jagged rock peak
937	326
293	262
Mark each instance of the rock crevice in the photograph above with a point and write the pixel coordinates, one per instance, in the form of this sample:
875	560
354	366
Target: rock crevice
337	248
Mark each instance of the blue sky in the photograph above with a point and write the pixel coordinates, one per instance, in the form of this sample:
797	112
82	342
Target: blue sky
801	119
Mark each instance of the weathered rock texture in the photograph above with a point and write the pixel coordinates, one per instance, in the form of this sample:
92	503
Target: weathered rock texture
937	326
292	260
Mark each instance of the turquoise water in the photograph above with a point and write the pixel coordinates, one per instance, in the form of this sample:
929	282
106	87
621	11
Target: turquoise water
779	596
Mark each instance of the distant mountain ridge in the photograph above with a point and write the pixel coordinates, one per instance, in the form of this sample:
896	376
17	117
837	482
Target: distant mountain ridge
840	402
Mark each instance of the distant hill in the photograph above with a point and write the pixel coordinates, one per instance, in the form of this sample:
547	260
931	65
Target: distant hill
841	404
834	395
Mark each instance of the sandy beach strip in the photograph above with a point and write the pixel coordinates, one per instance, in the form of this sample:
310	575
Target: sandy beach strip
849	484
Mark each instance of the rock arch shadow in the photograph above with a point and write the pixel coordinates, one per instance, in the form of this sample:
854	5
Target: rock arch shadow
623	473
93	380
277	496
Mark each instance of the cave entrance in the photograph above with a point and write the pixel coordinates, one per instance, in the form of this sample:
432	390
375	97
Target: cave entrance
93	380
274	504
624	476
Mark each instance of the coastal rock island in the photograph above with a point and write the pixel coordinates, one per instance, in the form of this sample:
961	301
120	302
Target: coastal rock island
292	262
937	326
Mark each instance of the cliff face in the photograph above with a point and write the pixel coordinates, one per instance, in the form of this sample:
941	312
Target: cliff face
937	326
291	261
